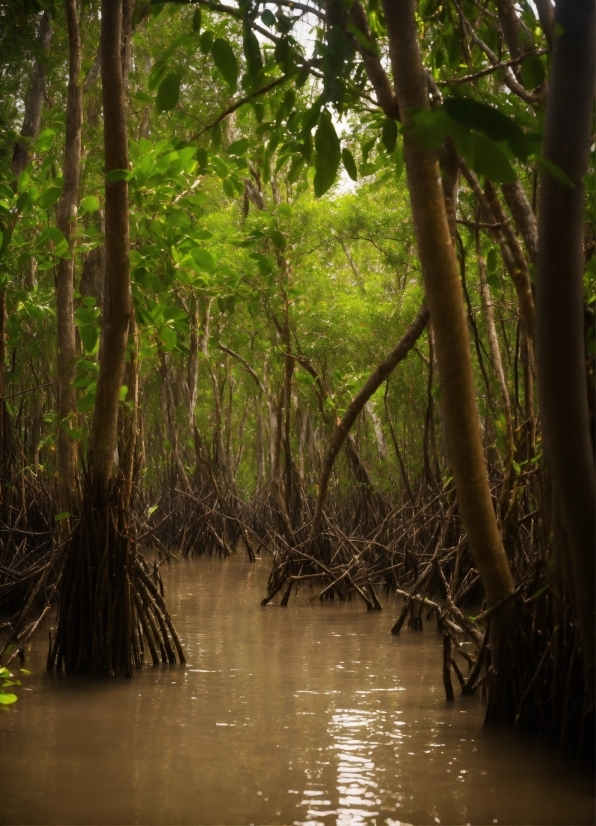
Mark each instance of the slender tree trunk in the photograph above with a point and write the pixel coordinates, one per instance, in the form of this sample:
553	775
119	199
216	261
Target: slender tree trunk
193	359
34	104
524	217
495	352
341	432
259	445
562	386
67	349
3	411
445	300
515	264
117	305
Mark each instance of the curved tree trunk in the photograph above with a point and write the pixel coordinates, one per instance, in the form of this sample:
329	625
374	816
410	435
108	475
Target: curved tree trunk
562	386
445	301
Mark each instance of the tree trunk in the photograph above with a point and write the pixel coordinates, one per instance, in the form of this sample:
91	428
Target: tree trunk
495	354
67	350
445	300
117	305
110	600
524	217
33	107
562	386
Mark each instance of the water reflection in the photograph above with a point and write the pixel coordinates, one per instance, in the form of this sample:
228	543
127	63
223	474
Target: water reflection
312	714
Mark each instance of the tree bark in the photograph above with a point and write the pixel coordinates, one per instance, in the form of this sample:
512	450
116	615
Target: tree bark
562	386
117	306
495	353
446	305
67	349
34	105
524	217
515	265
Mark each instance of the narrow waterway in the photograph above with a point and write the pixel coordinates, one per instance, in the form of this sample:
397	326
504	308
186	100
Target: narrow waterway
312	714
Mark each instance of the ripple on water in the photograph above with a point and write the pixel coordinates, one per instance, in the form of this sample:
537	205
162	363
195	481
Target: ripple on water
310	715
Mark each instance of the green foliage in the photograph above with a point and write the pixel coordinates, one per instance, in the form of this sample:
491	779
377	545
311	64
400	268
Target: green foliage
168	93
328	154
226	61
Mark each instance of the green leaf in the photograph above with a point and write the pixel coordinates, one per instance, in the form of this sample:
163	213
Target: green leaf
239	147
226	62
265	264
90	204
51	234
50	196
119	175
206	42
61	516
328	154
491	160
168	337
7	699
196	20
252	51
157	72
278	240
389	136
204	260
492	260
533	72
493	281
85	315
168	93
87	403
298	162
44	140
349	163
268	18
89	336
492	122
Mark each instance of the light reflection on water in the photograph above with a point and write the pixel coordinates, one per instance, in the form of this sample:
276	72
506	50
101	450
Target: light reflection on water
313	714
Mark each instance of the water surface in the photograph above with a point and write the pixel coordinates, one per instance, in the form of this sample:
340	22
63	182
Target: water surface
312	714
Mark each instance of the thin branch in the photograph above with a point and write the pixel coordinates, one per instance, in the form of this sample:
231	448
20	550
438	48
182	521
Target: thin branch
374	381
244	363
240	102
494	68
30	390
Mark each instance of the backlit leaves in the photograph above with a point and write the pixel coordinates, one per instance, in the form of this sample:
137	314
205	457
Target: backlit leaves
328	154
168	93
225	60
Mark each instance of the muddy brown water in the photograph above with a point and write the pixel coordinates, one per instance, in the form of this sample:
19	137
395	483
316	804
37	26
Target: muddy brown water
312	714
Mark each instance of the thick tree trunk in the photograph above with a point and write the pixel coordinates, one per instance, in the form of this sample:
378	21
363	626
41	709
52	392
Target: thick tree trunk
562	386
117	305
65	277
445	300
34	104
